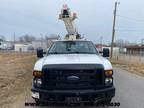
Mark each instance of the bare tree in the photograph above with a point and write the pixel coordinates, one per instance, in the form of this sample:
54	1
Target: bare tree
121	43
26	38
2	38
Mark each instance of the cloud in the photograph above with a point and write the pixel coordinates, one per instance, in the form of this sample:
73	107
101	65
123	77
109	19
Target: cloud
94	17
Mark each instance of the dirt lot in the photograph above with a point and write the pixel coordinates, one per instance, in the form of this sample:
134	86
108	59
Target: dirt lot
15	76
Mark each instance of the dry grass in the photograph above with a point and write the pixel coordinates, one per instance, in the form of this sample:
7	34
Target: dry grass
133	67
15	75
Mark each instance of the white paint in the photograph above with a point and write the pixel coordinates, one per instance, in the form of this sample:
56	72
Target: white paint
72	59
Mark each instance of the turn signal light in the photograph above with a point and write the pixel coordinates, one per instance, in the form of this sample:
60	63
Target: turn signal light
108	73
37	73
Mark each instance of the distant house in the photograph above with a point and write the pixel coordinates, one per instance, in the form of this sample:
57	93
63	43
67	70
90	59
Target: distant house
135	49
44	43
23	47
39	44
52	38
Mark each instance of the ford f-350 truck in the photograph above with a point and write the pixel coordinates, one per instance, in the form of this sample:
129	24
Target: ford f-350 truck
72	72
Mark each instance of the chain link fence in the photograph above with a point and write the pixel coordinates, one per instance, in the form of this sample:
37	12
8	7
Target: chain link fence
130	58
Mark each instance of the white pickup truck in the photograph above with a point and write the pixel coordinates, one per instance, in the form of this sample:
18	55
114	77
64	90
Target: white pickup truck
73	72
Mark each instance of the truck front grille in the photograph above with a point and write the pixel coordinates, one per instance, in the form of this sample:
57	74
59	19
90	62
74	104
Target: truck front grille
57	79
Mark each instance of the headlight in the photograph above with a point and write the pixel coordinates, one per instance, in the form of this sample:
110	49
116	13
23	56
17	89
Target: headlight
108	73
38	82
108	81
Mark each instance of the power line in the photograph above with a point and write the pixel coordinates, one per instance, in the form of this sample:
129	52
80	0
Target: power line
130	30
130	27
128	18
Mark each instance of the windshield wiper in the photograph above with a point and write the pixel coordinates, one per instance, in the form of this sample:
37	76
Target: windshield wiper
58	53
53	53
74	52
88	52
77	52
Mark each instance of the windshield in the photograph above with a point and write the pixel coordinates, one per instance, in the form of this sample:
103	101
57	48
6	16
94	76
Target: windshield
70	47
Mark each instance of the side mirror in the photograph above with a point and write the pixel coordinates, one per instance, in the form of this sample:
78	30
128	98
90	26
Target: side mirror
39	52
106	52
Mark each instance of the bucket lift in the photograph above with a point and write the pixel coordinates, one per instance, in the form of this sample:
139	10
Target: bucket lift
68	17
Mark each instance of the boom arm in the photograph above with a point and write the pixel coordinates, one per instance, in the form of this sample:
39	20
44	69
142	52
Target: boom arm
68	19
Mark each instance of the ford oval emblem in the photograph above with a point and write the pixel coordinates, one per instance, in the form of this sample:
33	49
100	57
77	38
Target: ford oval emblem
73	78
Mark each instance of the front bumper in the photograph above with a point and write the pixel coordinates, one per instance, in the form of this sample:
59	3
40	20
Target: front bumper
62	96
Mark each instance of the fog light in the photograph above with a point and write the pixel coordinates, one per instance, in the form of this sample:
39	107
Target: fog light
38	82
108	81
35	95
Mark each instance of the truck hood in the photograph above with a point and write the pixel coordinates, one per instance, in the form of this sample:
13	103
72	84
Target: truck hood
72	59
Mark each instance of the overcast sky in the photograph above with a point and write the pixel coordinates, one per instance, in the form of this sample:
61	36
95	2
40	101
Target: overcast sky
94	18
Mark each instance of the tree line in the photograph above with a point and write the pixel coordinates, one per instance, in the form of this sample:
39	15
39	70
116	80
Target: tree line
28	38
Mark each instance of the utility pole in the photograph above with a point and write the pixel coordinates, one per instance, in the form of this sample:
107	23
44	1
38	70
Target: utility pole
141	49
142	41
41	40
101	42
113	30
14	38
